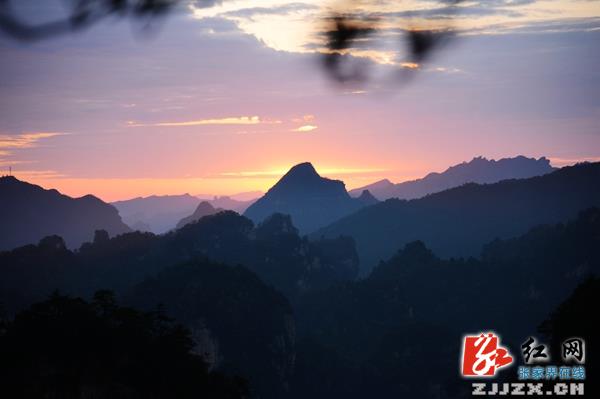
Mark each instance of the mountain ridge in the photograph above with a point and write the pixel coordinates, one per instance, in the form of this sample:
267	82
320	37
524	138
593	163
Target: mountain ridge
161	213
204	208
478	170
458	221
30	212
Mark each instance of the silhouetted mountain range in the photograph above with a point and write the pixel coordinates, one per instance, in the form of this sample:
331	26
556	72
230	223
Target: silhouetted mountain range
478	170
204	209
273	250
311	200
159	214
457	222
334	336
28	213
238	317
409	316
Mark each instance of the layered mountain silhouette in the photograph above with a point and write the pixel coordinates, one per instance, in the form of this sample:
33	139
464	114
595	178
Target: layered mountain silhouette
478	170
366	198
28	213
238	317
203	209
360	336
233	203
311	200
292	317
273	250
161	213
157	213
457	222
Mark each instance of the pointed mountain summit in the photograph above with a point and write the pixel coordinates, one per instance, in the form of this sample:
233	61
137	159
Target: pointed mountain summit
203	209
366	198
311	200
303	178
29	213
380	187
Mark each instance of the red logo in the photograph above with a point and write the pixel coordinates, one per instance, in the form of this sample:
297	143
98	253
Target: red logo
482	355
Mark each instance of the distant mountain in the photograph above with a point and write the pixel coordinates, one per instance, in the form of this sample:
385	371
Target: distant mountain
457	222
382	188
159	213
29	213
478	170
311	200
232	204
367	199
203	209
246	196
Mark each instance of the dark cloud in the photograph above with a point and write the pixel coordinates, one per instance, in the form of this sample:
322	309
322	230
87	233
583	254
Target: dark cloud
80	14
205	3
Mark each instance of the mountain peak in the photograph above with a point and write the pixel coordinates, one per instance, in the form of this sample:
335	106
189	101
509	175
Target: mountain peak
48	212
304	170
203	209
366	198
311	200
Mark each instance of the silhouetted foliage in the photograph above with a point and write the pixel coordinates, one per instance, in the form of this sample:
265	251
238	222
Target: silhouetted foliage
83	13
395	333
344	32
348	31
68	348
241	325
398	331
578	317
273	250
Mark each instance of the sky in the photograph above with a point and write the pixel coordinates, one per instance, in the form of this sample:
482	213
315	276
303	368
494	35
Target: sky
223	97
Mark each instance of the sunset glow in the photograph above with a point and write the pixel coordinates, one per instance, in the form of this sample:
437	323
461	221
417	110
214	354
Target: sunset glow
226	98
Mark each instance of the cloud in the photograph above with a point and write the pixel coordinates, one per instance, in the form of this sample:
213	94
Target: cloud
290	26
11	142
306	128
304	119
24	140
234	120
